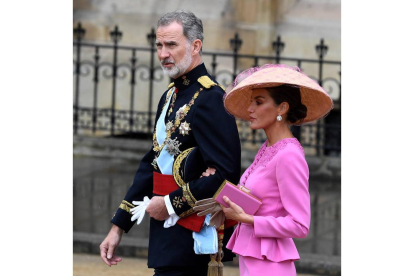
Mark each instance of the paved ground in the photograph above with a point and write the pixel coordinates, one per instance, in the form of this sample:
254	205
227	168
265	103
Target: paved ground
92	265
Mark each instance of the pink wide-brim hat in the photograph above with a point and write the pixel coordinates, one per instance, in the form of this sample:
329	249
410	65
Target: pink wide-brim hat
313	96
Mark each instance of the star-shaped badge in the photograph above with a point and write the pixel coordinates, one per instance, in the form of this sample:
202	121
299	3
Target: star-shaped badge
184	128
169	125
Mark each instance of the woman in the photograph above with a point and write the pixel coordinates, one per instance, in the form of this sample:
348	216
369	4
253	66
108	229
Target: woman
272	98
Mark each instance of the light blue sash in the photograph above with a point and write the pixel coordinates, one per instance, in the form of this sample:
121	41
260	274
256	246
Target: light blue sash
165	160
205	242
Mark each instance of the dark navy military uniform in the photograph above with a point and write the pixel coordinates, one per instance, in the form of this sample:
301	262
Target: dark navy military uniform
214	132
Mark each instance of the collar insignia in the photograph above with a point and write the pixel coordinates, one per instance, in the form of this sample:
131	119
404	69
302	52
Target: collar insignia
186	81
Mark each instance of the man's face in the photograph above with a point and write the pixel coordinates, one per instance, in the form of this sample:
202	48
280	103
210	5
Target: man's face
173	49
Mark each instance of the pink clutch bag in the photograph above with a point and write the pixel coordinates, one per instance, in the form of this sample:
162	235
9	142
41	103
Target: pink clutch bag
239	195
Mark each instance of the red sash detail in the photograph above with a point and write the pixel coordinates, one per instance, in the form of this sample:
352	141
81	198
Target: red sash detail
165	184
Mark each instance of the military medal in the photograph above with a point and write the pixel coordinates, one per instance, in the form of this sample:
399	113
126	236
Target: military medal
172	146
184	128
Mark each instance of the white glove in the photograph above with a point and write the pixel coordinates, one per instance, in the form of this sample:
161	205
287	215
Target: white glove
171	221
139	211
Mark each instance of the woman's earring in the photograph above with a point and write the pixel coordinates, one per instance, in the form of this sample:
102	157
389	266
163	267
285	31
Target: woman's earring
279	118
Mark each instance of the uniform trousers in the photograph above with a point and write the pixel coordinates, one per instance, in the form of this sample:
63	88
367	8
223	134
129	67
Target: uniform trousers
250	266
181	271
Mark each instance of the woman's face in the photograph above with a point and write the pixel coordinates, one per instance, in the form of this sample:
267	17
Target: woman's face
263	110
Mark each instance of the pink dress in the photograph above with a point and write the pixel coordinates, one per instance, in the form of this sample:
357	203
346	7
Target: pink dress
279	177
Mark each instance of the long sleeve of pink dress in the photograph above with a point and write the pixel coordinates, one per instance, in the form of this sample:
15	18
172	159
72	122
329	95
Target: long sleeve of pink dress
279	177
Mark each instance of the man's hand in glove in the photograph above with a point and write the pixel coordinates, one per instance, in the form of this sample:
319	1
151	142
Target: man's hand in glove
138	212
210	206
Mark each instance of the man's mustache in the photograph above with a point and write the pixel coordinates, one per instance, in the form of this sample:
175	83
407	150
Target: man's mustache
164	61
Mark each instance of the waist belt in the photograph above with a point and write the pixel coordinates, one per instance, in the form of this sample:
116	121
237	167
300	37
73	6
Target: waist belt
165	184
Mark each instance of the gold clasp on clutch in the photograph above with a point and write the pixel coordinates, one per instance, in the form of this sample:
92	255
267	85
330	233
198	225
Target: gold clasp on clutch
244	189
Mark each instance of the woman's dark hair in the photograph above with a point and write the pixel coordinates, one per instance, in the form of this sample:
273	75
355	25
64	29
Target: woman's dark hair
291	95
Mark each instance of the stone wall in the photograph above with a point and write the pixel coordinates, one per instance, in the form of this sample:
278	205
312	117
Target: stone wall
103	170
323	169
300	23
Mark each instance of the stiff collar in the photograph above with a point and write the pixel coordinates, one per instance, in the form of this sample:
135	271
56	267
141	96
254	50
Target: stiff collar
185	81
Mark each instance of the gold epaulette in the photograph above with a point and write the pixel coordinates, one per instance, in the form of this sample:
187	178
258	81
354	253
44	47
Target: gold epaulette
206	82
170	85
222	87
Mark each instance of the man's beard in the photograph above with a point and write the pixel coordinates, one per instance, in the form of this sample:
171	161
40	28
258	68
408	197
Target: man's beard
178	68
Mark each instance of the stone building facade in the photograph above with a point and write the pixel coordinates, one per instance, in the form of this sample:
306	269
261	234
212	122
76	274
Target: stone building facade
301	24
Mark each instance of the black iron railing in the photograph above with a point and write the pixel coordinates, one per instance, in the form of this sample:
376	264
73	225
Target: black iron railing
130	69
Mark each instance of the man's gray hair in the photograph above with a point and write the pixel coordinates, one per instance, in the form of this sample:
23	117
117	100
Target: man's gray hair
192	26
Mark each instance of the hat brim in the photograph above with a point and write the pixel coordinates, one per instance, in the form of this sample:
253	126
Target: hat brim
313	96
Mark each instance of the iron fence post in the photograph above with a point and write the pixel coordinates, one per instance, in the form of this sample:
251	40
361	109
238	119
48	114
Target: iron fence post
213	66
256	62
116	37
321	49
235	44
278	46
79	33
131	112
151	40
95	88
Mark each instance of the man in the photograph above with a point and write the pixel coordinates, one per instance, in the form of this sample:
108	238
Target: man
190	115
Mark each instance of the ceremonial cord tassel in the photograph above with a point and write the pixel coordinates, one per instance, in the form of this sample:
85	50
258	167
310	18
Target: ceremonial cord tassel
213	266
220	254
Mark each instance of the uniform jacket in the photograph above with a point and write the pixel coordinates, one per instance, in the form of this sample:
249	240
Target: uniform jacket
214	132
279	177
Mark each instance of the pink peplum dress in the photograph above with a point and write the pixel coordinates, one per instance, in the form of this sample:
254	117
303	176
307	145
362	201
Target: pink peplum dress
279	177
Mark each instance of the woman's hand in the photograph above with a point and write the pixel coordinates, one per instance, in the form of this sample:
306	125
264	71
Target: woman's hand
208	172
235	212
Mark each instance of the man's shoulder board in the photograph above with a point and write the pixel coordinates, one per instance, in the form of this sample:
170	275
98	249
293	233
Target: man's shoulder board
206	82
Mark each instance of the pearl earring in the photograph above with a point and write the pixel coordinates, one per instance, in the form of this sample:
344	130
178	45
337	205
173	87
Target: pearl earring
279	118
